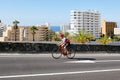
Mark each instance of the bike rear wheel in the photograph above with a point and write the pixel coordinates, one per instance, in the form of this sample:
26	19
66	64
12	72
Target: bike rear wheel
56	54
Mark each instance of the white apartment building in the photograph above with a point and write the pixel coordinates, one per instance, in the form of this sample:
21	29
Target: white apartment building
117	31
2	29
65	27
85	20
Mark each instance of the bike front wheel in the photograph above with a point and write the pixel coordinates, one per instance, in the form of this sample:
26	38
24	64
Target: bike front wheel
56	54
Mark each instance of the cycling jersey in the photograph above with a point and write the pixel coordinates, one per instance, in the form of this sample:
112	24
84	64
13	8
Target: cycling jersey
67	40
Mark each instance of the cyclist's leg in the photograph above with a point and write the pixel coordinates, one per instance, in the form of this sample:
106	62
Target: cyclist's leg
71	52
68	47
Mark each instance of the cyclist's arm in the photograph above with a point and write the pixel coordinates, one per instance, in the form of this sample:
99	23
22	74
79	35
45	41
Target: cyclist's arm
61	43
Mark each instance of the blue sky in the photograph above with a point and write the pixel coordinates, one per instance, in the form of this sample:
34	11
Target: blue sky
55	12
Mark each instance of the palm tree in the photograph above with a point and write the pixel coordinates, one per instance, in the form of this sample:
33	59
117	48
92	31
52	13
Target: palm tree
33	29
15	28
82	37
117	37
105	40
15	24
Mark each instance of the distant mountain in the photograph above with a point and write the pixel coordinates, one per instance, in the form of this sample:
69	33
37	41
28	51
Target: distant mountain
55	28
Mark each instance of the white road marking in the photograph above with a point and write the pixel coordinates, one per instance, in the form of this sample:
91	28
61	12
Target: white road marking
91	61
107	61
81	61
24	55
61	73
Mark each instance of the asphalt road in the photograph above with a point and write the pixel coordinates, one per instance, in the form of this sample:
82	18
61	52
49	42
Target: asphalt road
44	67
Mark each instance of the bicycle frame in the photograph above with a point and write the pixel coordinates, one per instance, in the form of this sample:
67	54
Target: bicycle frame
61	49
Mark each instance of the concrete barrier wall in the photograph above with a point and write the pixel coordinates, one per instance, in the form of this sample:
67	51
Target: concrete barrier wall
47	47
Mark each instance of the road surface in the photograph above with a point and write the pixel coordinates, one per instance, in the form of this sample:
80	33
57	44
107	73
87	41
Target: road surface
44	67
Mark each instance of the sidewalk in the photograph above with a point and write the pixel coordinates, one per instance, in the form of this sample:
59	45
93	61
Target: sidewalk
48	54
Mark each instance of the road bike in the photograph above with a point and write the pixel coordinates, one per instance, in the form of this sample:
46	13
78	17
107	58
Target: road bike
58	51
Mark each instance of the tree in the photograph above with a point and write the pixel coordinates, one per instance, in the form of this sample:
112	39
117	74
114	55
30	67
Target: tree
117	37
15	24
82	37
56	38
66	34
51	34
33	29
15	28
105	40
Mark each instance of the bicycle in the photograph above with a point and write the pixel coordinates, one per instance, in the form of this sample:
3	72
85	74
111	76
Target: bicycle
57	52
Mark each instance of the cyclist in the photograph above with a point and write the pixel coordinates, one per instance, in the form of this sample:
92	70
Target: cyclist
65	42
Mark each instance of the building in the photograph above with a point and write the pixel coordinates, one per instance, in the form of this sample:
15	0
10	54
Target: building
85	20
24	33
108	28
117	31
65	27
40	34
2	28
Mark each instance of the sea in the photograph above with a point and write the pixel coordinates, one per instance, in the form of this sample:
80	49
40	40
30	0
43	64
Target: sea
55	28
